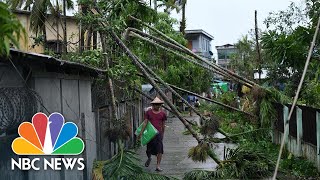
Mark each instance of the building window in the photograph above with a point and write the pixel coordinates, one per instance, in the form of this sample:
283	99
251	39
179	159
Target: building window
221	55
205	45
190	45
54	46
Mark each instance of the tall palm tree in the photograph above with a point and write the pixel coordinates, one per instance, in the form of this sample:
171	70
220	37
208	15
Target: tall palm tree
39	10
177	5
11	30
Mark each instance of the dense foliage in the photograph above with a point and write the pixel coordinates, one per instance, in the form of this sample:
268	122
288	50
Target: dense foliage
11	30
170	68
124	165
254	156
285	45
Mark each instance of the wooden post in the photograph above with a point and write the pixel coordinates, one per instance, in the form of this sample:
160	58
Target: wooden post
84	153
299	131
285	121
318	140
98	134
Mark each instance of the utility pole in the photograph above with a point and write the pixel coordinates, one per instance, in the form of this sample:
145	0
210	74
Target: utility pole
257	43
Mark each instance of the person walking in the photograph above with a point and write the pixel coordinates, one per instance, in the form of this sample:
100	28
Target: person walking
157	117
191	101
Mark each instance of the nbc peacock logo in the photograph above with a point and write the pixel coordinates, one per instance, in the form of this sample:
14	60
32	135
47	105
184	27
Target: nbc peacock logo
48	136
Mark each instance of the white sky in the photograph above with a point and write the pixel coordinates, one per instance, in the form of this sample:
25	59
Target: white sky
228	20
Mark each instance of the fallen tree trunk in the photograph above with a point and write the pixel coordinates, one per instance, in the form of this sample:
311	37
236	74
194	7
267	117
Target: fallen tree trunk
158	42
157	78
189	52
210	100
204	98
110	82
165	107
192	61
152	82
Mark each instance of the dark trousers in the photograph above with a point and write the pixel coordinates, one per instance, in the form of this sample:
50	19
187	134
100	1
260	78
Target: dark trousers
155	146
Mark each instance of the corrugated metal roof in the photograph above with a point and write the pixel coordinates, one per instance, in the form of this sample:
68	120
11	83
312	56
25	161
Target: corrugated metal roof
146	87
54	61
199	31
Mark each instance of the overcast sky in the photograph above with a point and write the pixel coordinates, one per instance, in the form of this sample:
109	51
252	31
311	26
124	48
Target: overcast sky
228	20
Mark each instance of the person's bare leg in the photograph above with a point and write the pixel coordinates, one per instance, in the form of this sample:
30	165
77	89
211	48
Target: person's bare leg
148	160
159	156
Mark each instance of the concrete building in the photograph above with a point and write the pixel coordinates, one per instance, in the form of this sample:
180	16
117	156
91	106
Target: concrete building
199	42
54	34
224	54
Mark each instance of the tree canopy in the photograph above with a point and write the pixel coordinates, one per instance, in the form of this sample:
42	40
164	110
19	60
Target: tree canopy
11	30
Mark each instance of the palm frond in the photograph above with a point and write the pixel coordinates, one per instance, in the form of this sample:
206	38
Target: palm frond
124	165
38	15
277	96
97	169
199	153
245	163
199	175
210	126
152	176
11	30
267	110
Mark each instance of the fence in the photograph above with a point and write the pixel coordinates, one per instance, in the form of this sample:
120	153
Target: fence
132	110
304	131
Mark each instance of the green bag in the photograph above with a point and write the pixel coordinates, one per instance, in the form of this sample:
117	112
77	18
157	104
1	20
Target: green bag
149	133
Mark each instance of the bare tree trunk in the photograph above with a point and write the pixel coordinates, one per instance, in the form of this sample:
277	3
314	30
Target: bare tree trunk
217	71
189	52
110	82
83	9
94	43
173	44
57	25
65	28
155	5
153	83
183	19
138	64
165	107
44	32
257	42
89	35
210	100
81	38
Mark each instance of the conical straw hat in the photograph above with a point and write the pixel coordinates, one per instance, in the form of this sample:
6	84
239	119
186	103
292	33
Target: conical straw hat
157	101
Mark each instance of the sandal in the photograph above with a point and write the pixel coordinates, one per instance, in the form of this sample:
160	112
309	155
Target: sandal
159	169
147	162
